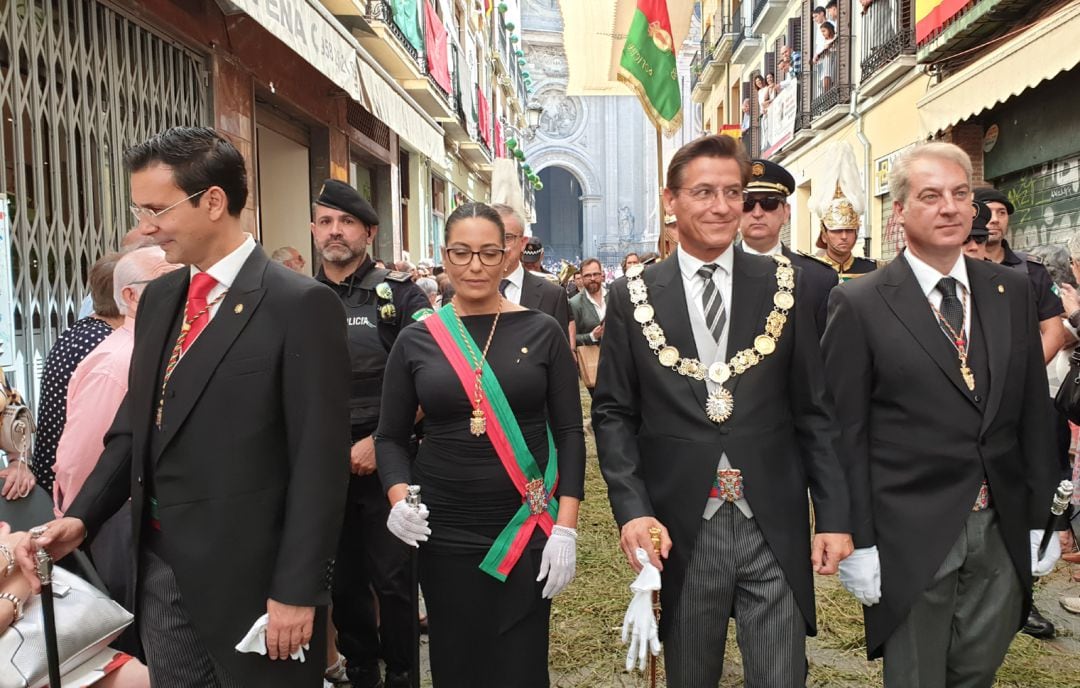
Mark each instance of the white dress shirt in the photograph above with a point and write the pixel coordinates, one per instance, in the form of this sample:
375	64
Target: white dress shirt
600	308
774	251
513	290
710	350
928	278
225	272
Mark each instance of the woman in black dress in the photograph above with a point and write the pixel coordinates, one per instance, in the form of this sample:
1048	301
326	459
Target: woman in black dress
486	465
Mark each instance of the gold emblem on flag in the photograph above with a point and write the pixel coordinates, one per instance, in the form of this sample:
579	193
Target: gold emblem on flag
661	38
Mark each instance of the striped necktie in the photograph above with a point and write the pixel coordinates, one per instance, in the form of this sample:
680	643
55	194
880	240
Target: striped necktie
712	302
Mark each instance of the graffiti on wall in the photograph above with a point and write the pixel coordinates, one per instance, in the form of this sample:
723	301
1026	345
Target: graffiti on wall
1047	202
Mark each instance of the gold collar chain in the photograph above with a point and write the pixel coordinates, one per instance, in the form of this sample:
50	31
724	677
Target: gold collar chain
721	403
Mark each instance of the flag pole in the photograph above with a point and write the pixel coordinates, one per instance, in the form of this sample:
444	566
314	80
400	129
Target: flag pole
661	243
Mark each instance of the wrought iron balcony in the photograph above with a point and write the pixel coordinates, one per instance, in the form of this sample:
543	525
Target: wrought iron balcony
383	11
695	69
888	31
745	41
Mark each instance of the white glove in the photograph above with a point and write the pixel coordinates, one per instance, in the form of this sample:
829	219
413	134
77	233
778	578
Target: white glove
1041	567
639	624
860	574
559	562
408	524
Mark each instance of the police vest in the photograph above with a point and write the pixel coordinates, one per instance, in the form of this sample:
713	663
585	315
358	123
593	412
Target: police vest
366	351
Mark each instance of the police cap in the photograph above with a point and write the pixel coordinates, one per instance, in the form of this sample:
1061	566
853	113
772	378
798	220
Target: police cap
981	215
533	250
341	196
768	177
988	194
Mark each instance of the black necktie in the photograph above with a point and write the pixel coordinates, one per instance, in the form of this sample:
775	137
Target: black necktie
952	310
712	302
503	285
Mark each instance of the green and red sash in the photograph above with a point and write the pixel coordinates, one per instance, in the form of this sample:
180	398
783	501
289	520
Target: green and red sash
505	435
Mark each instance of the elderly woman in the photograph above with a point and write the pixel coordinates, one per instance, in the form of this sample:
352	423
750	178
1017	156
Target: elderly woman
501	466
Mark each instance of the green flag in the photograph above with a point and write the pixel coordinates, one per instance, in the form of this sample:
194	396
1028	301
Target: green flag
406	20
648	65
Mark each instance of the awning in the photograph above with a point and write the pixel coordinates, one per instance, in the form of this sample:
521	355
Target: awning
1039	54
593	36
401	115
314	34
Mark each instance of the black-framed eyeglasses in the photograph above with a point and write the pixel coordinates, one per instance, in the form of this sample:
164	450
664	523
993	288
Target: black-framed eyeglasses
510	238
490	257
978	239
767	203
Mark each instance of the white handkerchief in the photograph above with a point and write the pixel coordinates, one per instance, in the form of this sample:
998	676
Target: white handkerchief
255	640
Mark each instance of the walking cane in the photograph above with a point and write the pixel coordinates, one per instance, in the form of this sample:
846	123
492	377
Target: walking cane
1057	508
413	500
654	535
44	574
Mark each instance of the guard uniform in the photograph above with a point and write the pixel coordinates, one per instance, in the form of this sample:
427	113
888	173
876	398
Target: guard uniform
378	304
1047	302
852	268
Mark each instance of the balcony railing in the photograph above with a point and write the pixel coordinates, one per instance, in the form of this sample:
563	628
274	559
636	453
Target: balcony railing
759	7
740	28
695	68
828	64
383	11
888	31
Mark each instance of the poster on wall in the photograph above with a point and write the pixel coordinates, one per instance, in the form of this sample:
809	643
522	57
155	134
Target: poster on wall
778	122
7	290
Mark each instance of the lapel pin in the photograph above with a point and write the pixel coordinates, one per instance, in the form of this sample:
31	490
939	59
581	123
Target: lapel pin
239	309
524	349
1001	288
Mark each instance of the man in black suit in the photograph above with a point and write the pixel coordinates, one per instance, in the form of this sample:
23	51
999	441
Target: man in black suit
936	366
703	434
765	211
233	441
521	286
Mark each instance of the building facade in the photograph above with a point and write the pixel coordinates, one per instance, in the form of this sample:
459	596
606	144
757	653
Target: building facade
996	77
406	99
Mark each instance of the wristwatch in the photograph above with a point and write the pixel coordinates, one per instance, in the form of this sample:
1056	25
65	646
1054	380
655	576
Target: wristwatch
16	602
1074	318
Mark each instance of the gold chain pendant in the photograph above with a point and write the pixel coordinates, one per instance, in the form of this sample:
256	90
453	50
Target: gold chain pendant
720	405
969	377
477	424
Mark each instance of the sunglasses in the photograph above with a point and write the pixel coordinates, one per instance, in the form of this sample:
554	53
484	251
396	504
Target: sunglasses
976	239
768	203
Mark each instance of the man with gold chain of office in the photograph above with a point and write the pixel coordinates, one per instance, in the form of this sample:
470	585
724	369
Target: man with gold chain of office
702	436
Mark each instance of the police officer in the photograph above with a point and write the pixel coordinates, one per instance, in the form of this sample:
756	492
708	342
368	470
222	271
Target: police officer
765	211
975	245
1048	304
378	303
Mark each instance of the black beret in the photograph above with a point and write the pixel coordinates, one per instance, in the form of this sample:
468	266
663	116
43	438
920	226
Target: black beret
768	177
340	196
988	194
982	215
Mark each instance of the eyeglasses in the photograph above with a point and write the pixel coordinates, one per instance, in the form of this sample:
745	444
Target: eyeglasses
592	275
977	239
510	238
463	256
767	203
147	214
709	194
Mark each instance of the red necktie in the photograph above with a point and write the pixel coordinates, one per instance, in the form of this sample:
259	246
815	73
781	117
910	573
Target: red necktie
197	313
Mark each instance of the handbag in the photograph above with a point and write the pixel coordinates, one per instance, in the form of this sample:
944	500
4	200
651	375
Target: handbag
86	622
1067	399
588	357
16	421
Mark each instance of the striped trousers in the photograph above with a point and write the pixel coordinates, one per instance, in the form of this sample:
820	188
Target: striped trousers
175	654
733	573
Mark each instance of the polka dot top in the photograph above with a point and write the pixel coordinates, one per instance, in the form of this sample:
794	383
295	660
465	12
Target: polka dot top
68	352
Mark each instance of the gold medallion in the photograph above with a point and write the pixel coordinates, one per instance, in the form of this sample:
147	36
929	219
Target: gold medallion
969	377
643	313
668	356
720	405
477	424
239	309
634	270
784	300
764	344
719	372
